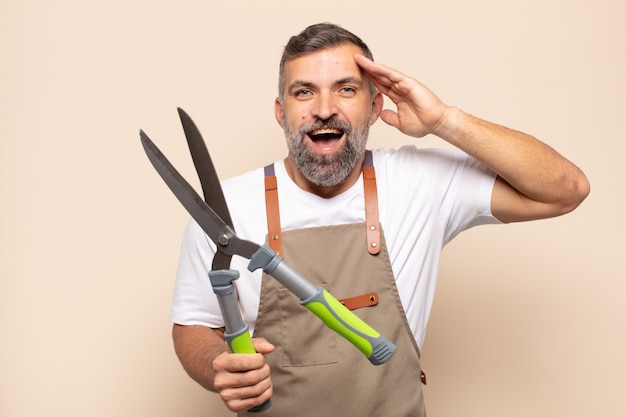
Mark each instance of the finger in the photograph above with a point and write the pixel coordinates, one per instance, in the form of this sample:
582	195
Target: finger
248	397
391	118
383	73
370	70
244	390
225	381
238	362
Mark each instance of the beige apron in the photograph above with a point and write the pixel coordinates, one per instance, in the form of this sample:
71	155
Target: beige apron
317	373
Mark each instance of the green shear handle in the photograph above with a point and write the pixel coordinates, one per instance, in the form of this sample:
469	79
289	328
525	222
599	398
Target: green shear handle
237	334
321	303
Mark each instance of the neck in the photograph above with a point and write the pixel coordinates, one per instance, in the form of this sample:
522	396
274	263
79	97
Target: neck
320	190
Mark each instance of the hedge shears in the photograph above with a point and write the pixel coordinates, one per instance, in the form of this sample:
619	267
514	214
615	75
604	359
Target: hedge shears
213	216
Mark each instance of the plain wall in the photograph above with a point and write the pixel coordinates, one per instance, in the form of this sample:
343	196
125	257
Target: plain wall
529	319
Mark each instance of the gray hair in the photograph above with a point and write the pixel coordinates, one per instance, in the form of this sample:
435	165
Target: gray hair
315	38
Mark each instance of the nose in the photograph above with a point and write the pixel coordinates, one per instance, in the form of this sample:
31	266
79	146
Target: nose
325	106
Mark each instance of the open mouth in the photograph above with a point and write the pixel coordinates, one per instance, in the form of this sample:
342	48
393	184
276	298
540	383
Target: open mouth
326	138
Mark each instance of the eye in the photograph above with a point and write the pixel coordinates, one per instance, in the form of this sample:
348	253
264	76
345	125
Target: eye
347	90
303	93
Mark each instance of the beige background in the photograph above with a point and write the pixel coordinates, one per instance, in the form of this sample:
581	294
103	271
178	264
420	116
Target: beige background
529	319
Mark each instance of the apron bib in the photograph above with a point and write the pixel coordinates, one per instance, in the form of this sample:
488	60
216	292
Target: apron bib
315	371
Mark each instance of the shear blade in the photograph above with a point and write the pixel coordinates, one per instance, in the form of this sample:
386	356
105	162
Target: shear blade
217	230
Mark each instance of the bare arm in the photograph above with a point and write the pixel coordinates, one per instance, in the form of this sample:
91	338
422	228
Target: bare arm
242	380
534	181
197	347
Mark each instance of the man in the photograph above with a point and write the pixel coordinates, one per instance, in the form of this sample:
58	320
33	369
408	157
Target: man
330	92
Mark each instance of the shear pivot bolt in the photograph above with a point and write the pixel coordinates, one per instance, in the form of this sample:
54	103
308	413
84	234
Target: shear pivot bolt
222	240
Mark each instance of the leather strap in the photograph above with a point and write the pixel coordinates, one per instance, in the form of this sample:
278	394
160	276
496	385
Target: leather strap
358	301
273	211
371	205
371	208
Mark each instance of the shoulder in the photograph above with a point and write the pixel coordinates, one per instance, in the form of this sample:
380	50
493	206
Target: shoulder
245	197
247	180
412	174
414	157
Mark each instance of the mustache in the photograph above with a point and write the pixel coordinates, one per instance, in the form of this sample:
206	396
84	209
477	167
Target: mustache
332	123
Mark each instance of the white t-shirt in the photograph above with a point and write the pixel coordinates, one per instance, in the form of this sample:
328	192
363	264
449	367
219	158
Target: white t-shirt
426	197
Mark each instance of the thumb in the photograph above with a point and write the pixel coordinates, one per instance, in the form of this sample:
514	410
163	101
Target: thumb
261	345
391	118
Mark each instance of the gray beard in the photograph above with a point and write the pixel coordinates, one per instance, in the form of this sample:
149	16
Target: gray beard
327	170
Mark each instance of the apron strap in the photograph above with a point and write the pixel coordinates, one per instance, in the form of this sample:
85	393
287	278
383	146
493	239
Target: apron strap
272	210
372	222
371	207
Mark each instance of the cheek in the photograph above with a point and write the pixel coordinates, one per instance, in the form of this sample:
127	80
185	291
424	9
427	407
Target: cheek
295	117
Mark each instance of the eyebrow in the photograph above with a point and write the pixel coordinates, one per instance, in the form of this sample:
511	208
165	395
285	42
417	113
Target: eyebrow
347	80
350	80
300	83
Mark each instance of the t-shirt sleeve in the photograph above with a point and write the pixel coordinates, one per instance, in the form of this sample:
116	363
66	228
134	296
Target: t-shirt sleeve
445	185
194	302
467	203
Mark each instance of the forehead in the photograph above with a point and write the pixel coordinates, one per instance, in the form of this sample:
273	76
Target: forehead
325	65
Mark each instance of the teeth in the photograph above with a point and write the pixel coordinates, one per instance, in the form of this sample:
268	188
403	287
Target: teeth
327	131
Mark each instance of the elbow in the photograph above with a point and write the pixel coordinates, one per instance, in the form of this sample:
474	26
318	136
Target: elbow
578	190
583	187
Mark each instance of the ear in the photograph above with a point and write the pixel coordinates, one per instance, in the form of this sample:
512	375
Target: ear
377	106
278	111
